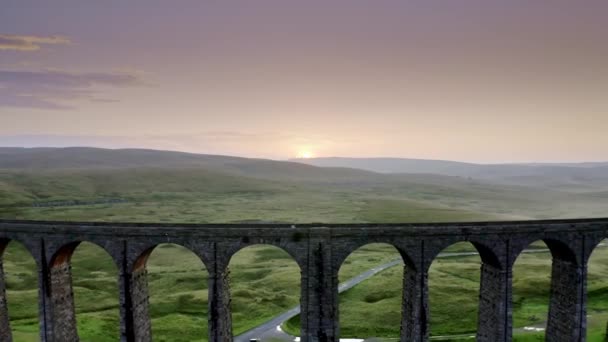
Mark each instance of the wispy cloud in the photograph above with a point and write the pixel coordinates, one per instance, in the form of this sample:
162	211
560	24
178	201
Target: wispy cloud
29	101
65	79
29	43
57	89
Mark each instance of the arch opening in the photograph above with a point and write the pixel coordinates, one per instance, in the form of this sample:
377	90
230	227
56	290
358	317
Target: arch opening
177	282
454	283
264	282
95	288
21	282
372	307
532	288
597	293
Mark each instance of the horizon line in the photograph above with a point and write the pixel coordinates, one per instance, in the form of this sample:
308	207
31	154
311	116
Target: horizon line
291	159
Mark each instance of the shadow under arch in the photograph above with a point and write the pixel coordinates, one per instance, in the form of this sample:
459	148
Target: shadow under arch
85	281
265	281
597	293
560	250
175	282
372	306
454	287
19	290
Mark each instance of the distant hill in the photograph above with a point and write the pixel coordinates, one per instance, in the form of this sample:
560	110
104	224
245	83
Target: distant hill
564	175
570	177
448	168
395	165
87	158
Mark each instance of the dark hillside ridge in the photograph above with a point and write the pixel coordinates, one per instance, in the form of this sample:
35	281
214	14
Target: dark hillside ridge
583	177
87	158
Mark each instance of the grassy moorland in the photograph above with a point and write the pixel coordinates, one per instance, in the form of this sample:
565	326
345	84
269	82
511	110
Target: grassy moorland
178	187
264	280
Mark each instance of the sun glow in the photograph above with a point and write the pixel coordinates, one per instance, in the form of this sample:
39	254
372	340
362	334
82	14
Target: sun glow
305	155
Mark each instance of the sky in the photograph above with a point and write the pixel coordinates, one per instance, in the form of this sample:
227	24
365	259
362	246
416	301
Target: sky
482	81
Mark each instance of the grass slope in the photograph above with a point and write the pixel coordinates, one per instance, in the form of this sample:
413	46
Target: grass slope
202	195
169	187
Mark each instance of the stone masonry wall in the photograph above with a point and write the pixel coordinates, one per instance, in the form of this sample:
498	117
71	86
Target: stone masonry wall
319	251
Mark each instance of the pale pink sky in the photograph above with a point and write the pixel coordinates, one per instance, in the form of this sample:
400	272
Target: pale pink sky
486	81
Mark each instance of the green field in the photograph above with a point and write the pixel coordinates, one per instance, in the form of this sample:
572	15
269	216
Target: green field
265	280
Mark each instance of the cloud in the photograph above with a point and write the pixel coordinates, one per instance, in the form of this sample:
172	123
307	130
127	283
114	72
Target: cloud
29	101
29	43
52	89
103	100
65	79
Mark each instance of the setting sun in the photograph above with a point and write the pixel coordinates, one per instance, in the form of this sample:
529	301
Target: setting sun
305	155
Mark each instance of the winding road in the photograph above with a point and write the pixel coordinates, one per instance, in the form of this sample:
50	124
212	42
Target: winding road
271	330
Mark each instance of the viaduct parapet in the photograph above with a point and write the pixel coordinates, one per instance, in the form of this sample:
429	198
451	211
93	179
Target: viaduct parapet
319	250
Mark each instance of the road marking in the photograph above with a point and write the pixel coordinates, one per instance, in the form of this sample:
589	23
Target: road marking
533	329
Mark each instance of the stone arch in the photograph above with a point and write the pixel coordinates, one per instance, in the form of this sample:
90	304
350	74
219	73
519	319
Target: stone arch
596	289
455	278
592	242
488	248
187	302
5	241
63	281
64	254
62	251
139	253
32	247
265	280
341	250
532	284
562	251
383	266
560	248
8	329
296	249
562	289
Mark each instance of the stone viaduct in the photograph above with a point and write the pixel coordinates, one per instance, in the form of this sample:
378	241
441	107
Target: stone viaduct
319	249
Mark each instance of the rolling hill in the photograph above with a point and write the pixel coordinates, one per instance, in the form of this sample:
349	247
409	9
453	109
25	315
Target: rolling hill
566	176
184	187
